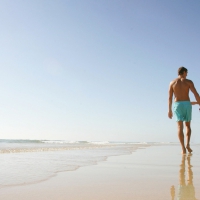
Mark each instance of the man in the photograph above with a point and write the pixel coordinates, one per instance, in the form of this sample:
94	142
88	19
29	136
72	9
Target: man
182	107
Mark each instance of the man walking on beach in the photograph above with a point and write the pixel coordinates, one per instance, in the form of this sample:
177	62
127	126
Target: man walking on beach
182	107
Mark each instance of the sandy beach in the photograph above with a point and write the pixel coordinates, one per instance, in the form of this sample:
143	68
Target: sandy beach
155	172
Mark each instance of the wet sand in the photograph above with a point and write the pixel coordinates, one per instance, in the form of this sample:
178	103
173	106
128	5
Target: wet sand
156	172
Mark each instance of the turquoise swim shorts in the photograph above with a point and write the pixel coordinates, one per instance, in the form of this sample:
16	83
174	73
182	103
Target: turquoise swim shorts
182	111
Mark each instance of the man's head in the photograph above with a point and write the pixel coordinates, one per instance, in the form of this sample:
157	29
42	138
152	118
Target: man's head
182	71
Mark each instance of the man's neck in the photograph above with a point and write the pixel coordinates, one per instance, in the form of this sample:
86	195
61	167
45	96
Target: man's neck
181	77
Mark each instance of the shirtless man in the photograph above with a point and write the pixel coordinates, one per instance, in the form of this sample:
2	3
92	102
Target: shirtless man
182	108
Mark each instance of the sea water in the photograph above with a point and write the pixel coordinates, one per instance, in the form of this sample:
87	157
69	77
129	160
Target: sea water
32	161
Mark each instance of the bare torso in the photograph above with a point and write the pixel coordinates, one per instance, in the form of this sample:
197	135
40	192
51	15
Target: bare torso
181	89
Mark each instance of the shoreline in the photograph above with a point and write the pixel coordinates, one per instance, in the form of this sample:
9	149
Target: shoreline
70	161
146	174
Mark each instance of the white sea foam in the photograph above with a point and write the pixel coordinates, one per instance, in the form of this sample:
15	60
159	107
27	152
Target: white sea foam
100	142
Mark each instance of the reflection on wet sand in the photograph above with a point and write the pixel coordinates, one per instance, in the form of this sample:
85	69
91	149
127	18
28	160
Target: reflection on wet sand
186	191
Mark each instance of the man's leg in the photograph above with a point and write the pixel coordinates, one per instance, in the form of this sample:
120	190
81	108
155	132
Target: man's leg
181	136
188	135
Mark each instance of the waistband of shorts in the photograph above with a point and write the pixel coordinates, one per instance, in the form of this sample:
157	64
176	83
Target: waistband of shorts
182	102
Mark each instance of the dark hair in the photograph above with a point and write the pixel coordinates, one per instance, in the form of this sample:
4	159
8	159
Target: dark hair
181	70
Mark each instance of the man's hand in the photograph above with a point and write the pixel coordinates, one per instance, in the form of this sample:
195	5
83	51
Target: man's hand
170	114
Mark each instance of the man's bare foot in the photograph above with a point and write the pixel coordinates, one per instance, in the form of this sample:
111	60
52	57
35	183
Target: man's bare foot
184	151
189	149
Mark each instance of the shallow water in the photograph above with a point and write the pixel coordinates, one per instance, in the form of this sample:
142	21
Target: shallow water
26	162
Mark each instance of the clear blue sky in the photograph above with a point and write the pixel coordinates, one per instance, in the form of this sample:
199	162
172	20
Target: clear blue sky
95	70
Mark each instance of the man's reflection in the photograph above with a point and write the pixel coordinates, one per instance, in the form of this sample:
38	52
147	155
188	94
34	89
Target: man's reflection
186	191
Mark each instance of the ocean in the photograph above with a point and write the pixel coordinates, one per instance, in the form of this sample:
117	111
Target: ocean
32	161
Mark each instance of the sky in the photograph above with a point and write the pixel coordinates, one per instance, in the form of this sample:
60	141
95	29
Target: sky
95	70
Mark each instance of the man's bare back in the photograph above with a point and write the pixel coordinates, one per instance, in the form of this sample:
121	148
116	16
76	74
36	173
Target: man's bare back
181	87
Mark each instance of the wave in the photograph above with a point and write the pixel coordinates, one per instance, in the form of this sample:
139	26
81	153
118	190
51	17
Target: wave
24	141
52	141
19	141
74	142
100	142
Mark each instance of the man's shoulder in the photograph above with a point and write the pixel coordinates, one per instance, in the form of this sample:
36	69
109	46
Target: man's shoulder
174	81
178	79
188	80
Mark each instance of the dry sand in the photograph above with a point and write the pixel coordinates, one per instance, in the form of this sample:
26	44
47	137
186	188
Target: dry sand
147	174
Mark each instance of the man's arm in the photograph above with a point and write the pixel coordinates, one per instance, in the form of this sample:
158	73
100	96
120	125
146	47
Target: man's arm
194	91
170	114
194	103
